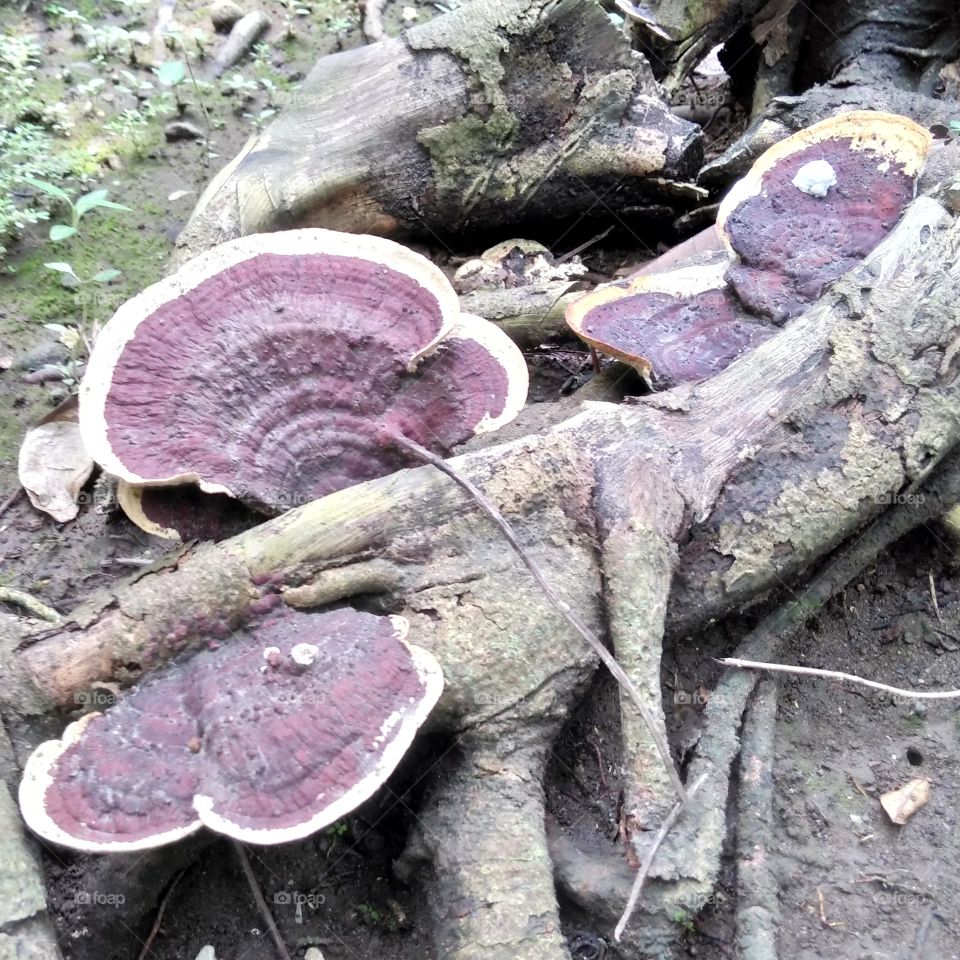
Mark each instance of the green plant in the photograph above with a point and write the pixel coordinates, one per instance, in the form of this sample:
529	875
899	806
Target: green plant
259	118
239	86
28	150
19	59
94	200
369	914
79	338
172	73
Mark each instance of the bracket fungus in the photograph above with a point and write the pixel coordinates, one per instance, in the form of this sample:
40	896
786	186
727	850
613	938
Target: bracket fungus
275	368
286	729
815	204
809	209
680	326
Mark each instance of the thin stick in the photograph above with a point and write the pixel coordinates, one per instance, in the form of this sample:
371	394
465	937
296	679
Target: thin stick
933	597
641	876
837	675
258	897
155	929
421	453
11	500
30	604
583	246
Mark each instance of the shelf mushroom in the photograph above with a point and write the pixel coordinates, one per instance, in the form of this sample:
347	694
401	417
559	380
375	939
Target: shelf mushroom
675	327
284	730
809	209
815	204
275	368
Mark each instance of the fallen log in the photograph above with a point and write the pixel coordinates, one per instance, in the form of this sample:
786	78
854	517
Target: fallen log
499	112
754	474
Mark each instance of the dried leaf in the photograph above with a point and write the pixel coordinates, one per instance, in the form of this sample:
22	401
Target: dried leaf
901	804
53	467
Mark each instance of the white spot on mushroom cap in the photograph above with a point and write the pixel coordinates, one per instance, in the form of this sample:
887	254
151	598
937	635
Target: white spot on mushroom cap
268	652
305	654
815	178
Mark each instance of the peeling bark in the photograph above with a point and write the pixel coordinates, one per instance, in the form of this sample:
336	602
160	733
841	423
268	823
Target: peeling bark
501	111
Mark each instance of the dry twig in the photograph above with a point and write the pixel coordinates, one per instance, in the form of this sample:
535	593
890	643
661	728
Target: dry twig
258	897
30	604
641	876
155	929
838	675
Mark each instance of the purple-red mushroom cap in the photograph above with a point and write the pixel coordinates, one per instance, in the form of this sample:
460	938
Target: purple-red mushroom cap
678	326
286	729
815	204
271	368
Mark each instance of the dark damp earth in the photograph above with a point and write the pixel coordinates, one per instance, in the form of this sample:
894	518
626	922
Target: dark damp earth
852	886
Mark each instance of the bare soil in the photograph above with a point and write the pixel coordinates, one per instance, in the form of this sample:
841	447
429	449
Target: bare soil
852	885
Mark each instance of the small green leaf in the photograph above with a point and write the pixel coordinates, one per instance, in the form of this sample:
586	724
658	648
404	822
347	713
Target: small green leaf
110	205
60	267
61	231
171	73
49	189
105	276
90	200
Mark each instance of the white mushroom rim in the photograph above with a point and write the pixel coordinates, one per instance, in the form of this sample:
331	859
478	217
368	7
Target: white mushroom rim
37	780
122	327
508	356
401	724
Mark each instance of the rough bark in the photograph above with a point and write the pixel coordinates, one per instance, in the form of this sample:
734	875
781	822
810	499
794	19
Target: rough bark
501	111
755	474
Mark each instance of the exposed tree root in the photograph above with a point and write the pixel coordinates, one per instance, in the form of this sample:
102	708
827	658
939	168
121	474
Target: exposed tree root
758	904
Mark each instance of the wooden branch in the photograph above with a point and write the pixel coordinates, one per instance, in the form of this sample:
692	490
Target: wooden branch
758	422
484	125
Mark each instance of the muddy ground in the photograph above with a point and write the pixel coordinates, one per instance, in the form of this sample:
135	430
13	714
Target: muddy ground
852	885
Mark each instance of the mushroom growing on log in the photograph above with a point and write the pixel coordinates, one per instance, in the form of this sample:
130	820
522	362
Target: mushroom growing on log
276	368
678	327
286	729
811	208
815	204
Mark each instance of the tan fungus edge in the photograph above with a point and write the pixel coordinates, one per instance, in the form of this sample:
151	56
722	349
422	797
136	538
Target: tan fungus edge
37	780
507	354
680	282
123	325
130	498
896	138
404	723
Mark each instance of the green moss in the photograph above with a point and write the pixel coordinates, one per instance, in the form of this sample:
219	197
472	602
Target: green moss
32	294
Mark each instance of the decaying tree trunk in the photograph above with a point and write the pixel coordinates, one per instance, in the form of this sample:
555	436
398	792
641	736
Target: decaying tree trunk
737	482
502	111
650	519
